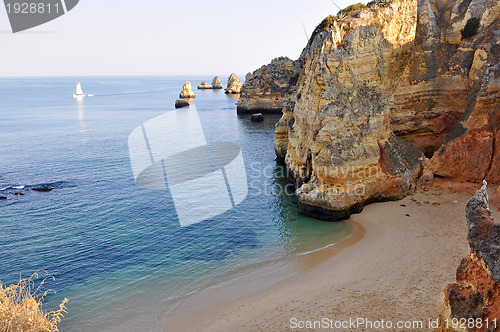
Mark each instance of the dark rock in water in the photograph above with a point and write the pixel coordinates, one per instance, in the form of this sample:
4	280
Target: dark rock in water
3	197
43	189
179	103
257	117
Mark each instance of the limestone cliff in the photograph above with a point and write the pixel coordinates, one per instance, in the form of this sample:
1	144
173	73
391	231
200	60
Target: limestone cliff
382	87
476	294
266	88
233	84
472	67
187	91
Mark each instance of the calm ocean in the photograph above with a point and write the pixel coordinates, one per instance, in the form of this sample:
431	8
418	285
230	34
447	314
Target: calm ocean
117	251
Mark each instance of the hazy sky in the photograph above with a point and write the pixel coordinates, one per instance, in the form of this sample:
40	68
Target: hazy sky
161	37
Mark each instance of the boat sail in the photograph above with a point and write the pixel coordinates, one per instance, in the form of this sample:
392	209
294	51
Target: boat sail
79	93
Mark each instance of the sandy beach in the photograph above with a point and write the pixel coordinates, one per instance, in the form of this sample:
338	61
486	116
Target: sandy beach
393	269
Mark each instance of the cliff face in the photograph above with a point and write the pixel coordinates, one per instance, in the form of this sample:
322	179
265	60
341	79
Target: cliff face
381	87
476	294
472	150
265	89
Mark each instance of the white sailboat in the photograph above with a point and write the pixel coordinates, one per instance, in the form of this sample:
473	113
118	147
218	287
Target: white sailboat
79	93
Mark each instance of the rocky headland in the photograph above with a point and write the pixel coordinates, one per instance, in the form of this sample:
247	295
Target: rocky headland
387	97
266	88
187	91
233	84
476	293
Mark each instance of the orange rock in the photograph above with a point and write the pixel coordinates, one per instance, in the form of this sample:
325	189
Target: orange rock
467	156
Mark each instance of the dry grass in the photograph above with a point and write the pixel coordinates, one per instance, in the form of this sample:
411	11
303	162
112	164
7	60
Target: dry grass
21	307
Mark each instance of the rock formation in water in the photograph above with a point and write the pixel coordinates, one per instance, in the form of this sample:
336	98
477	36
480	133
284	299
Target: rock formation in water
257	117
187	91
179	103
476	293
216	84
233	84
204	85
383	87
265	89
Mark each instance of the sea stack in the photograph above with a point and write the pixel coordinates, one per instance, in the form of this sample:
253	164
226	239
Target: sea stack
204	85
266	88
187	92
233	84
216	84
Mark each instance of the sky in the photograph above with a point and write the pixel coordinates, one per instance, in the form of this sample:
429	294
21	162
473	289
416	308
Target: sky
161	37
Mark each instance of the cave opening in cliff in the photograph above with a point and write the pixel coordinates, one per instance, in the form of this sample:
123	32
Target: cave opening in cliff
428	151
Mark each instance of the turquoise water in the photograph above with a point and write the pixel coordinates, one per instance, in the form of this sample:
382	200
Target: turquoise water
117	251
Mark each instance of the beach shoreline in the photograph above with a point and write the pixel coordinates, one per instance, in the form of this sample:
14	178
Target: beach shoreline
392	269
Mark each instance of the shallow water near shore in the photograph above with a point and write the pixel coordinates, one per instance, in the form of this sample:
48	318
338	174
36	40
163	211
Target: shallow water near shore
117	251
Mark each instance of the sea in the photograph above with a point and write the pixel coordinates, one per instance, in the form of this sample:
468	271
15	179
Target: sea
116	250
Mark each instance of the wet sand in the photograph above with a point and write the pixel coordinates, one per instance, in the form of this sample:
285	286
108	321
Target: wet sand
393	268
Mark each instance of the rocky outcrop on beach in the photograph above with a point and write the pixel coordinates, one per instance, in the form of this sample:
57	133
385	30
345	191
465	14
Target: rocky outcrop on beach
204	85
233	84
380	89
187	91
266	88
476	293
216	84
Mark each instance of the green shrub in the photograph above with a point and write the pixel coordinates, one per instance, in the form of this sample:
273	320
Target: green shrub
324	25
378	4
344	12
470	28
